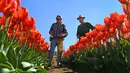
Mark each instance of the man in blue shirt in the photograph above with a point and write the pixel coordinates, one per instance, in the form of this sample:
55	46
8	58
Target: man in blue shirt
57	34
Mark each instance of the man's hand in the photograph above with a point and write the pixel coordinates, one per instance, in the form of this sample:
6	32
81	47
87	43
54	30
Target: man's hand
62	35
51	37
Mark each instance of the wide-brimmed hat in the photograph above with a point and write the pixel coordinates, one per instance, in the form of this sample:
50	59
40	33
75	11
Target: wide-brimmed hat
58	17
80	16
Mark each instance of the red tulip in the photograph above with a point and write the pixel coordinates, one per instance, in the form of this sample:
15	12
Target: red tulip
128	35
120	18
10	35
112	30
96	44
123	1
29	22
128	24
99	36
5	4
2	20
112	24
22	13
129	6
88	36
124	29
20	16
117	25
97	26
103	28
107	21
94	33
113	16
125	9
18	3
84	39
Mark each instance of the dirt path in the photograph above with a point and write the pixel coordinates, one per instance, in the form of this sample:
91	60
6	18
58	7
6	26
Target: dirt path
60	70
55	69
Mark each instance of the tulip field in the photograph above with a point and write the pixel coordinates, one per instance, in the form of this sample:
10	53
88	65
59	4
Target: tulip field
22	49
106	49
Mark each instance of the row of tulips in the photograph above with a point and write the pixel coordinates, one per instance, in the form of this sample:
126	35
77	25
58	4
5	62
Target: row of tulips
22	48
114	27
106	48
19	25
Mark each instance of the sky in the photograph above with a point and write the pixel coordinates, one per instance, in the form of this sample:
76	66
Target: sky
45	11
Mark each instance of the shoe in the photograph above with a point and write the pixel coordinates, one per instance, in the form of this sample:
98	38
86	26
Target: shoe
59	64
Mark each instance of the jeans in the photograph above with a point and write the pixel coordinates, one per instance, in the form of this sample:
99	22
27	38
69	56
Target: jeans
59	44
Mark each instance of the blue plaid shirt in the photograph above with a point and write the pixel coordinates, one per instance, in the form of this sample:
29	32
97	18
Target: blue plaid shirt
57	29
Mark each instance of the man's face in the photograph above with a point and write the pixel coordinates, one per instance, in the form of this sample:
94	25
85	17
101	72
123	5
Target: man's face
81	20
59	21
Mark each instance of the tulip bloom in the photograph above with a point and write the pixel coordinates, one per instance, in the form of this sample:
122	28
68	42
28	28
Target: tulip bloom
123	1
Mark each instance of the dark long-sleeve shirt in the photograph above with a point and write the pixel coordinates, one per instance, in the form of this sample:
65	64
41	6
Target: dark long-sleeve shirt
84	28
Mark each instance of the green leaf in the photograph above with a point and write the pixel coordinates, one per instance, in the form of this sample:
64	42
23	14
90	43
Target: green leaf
1	47
5	66
17	48
6	46
32	69
3	58
109	47
26	64
2	34
109	51
41	70
19	70
5	70
118	44
119	65
127	47
12	57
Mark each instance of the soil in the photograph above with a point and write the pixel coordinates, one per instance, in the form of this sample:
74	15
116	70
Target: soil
55	69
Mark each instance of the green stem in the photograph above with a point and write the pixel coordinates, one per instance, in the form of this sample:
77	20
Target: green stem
14	33
5	34
10	65
128	15
23	48
5	31
110	40
119	34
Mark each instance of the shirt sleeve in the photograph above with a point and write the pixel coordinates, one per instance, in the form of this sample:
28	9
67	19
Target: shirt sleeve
91	26
51	29
77	32
65	31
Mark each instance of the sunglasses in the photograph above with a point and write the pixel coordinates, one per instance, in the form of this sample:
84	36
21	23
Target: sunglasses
58	19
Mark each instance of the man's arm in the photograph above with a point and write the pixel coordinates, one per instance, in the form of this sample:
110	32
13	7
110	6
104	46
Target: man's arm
65	31
77	32
91	26
51	30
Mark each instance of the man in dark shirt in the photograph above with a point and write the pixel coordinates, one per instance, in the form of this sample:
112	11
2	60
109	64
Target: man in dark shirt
57	34
84	27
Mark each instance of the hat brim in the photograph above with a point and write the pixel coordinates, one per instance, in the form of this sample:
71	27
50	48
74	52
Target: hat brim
80	17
